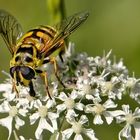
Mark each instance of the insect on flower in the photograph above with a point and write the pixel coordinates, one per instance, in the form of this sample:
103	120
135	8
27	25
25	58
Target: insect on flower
35	48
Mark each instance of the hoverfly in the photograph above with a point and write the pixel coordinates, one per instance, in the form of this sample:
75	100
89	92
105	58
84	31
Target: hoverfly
35	48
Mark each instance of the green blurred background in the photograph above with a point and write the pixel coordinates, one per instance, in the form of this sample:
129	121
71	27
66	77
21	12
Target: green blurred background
112	24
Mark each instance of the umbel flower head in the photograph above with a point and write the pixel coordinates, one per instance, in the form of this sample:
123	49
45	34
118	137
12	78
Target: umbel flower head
94	89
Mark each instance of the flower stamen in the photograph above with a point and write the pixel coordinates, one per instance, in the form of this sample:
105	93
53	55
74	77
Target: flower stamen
69	103
13	111
98	109
130	118
43	111
77	127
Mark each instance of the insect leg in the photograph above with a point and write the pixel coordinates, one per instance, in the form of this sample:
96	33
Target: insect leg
31	91
14	88
60	56
53	60
62	51
15	84
44	76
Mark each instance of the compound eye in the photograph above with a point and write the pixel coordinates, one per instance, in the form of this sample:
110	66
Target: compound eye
27	73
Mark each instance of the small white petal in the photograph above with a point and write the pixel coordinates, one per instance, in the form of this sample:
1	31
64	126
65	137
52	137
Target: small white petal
52	116
83	119
71	114
22	112
4	107
5	87
109	104
108	117
32	104
43	124
88	109
119	95
126	108
79	106
117	113
137	130
63	96
73	95
19	122
21	138
34	117
50	103
37	103
125	132
78	137
89	97
54	124
22	102
120	119
97	119
67	133
90	133
137	112
60	108
9	96
7	122
38	133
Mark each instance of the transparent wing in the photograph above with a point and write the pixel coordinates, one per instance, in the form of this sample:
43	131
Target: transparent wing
65	28
68	25
10	30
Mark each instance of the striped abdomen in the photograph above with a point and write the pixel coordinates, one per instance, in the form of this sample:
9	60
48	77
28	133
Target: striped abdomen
39	37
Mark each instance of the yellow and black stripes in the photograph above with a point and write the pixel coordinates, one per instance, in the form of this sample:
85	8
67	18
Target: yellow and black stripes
42	34
40	38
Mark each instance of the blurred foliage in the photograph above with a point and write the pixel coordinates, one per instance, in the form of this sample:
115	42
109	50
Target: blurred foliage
112	24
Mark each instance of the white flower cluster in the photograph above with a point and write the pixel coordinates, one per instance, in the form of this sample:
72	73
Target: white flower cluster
94	88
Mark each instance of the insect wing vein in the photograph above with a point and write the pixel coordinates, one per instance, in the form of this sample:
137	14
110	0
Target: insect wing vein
10	30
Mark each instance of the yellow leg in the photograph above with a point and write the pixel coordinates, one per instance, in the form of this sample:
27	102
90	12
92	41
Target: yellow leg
53	60
44	76
14	88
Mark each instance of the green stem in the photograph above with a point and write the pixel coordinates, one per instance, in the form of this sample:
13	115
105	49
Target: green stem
62	123
57	12
56	9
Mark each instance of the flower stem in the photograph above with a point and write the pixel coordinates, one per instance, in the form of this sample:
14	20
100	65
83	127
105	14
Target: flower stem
56	10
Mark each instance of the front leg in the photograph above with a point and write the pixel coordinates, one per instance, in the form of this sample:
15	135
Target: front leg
31	89
14	88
